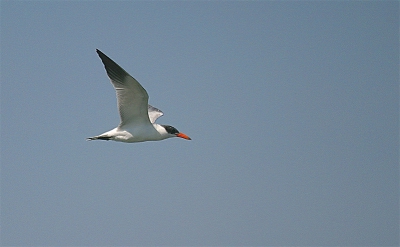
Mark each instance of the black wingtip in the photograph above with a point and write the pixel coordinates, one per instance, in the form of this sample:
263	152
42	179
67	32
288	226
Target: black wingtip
103	56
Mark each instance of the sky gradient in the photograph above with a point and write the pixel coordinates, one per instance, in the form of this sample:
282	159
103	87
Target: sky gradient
292	107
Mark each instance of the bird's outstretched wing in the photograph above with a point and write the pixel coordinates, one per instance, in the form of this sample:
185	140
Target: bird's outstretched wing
132	98
154	113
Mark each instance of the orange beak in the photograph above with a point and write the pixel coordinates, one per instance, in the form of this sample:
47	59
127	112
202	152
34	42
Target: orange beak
181	135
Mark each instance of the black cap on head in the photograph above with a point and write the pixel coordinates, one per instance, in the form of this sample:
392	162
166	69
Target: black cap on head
171	130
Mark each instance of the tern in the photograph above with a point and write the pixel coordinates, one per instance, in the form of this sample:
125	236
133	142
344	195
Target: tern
137	116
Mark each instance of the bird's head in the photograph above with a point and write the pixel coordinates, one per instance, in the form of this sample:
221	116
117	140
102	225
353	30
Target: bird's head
173	132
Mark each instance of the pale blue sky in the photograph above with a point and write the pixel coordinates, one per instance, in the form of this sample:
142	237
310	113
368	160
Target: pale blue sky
293	108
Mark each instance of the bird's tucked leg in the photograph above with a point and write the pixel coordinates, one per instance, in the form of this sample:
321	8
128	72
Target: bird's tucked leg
106	138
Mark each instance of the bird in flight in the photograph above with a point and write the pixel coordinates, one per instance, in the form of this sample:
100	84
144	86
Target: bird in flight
137	116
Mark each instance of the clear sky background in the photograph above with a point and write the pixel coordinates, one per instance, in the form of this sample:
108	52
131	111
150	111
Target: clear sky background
293	108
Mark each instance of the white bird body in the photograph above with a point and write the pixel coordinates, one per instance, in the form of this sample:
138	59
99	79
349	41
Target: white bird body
137	116
141	133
